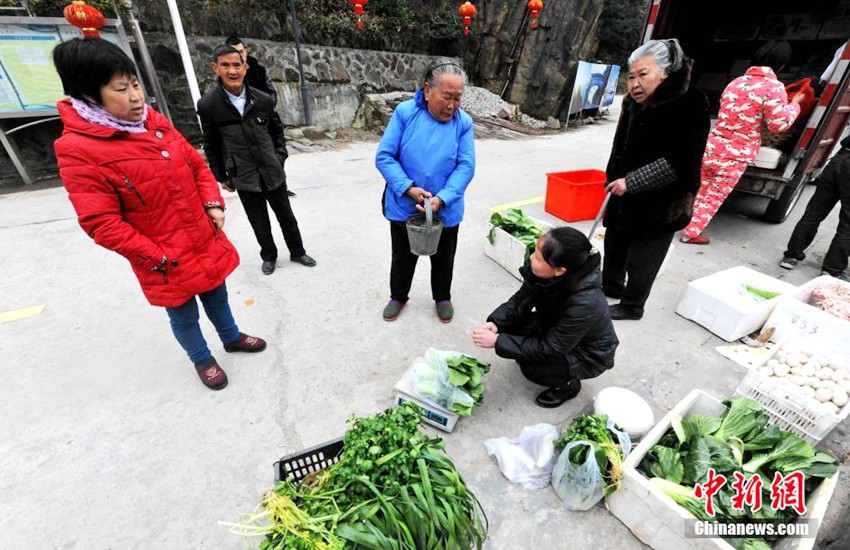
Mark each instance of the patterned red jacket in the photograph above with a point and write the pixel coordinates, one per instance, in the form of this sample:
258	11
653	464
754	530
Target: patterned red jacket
747	102
142	196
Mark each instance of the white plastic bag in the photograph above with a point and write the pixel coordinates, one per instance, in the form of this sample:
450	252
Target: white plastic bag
623	438
528	460
579	487
430	380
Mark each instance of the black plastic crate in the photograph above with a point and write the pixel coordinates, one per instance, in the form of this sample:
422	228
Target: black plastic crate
299	465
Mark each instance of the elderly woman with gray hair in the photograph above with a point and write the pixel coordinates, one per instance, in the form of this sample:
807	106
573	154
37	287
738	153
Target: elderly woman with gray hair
653	172
427	153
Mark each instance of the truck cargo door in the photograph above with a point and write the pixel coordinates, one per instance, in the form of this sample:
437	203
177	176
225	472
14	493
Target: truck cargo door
823	131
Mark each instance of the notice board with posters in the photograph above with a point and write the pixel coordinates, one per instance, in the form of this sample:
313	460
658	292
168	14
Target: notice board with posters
29	84
595	86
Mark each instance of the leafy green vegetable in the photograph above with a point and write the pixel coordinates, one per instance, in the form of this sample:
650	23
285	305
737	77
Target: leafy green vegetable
392	489
664	462
789	446
761	294
683	496
707	452
765	439
737	441
742	419
519	225
700	425
466	373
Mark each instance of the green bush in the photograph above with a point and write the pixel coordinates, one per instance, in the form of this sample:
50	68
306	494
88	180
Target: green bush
53	8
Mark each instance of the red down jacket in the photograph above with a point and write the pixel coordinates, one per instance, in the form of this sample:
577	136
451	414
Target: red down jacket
143	195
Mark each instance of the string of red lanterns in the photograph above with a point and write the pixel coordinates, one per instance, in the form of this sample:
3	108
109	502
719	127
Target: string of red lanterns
358	10
86	17
535	7
467	12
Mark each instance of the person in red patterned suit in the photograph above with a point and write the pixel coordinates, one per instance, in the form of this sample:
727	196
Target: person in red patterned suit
141	190
747	103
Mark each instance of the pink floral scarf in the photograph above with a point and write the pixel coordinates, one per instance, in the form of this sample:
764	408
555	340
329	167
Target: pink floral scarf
95	114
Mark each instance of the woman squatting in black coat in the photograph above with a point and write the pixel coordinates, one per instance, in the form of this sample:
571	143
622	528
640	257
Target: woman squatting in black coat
557	326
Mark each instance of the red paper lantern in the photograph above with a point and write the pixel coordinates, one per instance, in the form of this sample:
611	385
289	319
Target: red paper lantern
535	7
86	17
358	10
467	12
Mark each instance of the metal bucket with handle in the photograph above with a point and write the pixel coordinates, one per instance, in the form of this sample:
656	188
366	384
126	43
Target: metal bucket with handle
424	232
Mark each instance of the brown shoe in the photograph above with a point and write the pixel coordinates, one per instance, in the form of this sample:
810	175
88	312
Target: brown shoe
248	344
211	375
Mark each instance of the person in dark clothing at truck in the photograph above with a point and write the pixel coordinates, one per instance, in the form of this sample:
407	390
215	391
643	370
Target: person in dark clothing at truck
246	151
557	326
833	186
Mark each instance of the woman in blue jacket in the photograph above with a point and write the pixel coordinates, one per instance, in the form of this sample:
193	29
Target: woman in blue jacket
427	153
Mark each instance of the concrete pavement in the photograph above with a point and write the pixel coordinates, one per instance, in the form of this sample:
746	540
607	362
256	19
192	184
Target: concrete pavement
110	441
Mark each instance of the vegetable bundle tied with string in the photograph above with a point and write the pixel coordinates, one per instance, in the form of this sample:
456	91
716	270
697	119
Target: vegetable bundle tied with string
737	441
392	489
593	428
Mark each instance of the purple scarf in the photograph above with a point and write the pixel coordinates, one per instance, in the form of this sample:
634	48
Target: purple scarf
95	114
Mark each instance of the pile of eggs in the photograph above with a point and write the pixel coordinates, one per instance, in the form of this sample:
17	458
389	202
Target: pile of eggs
808	378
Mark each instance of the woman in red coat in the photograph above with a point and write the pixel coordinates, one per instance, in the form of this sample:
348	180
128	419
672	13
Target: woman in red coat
141	190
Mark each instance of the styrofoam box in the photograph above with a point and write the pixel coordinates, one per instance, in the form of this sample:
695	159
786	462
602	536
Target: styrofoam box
718	303
659	522
432	413
506	249
794	317
768	158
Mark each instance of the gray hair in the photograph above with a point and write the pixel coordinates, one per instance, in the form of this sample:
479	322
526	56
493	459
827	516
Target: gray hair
440	66
668	54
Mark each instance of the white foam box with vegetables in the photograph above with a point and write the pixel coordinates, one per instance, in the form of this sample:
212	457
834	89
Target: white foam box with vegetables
660	522
511	235
818	310
732	303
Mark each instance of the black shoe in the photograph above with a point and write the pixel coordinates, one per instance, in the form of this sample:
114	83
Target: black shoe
555	397
304	260
268	267
788	262
624	313
290	193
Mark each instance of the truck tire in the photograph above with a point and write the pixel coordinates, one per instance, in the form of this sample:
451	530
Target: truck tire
778	210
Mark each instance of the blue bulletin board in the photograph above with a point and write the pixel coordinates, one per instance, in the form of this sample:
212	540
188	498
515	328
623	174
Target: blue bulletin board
29	84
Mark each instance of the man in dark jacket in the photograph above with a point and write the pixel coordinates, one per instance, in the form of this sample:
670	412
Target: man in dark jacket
557	326
257	77
246	150
833	187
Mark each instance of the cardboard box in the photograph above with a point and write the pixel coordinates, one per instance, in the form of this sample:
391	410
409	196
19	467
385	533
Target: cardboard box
659	522
794	317
432	413
506	250
718	303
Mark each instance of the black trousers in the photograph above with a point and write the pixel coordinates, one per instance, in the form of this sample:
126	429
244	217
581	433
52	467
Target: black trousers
404	264
639	259
833	186
258	215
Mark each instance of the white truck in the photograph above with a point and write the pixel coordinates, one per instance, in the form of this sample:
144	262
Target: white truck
721	36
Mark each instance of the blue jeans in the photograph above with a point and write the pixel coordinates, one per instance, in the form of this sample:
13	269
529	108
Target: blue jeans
184	323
